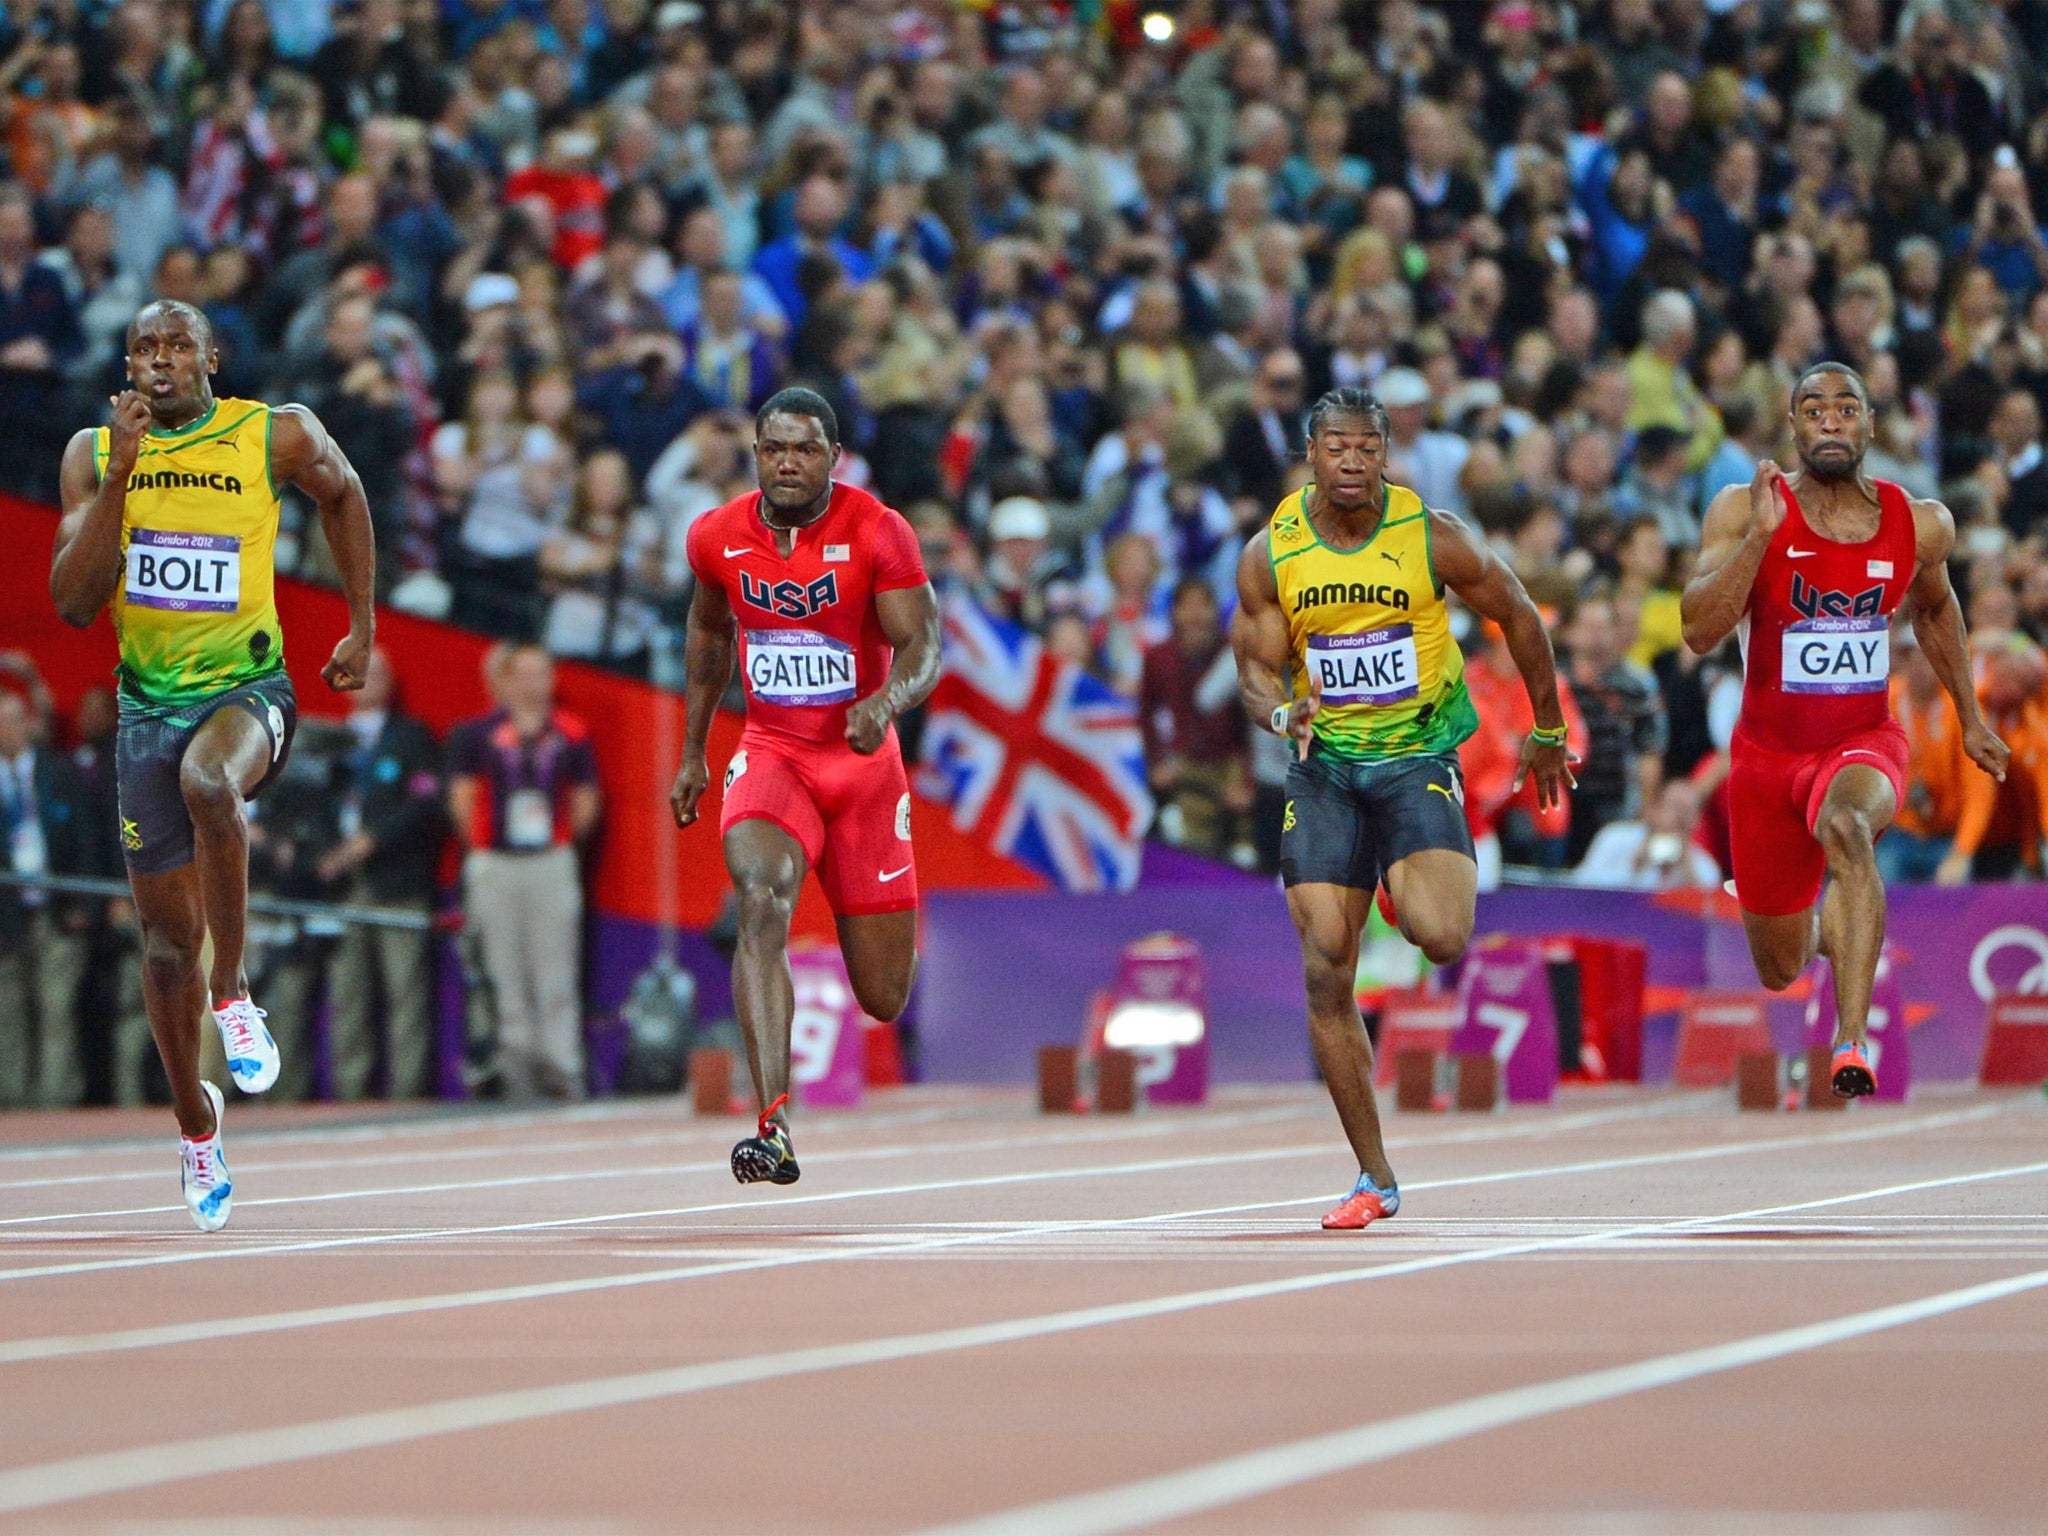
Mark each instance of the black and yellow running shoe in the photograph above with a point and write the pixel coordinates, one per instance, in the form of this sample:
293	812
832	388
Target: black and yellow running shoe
766	1156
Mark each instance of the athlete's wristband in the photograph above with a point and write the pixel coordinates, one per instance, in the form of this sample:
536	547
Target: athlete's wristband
1551	738
1283	716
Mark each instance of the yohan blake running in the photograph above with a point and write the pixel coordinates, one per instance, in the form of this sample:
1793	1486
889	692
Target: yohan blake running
1344	646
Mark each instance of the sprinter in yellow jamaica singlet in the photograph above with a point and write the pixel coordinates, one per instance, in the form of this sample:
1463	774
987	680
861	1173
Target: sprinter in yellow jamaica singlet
170	519
1344	646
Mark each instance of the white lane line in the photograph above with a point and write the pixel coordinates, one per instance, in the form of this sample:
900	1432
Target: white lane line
899	1245
39	1485
1049	1137
1153	1130
192	1255
683	1130
1233	1479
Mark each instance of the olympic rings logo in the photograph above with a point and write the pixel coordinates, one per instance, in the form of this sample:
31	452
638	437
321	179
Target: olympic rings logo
2033	981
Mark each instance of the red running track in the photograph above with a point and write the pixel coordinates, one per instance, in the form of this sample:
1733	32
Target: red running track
1629	1312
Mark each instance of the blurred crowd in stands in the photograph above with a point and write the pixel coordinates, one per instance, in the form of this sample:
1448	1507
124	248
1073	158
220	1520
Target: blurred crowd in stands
1069	271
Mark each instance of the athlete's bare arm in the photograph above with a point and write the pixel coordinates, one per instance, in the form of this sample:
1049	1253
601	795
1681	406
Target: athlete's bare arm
910	618
86	565
303	455
1469	567
707	667
1737	531
1938	621
1264	650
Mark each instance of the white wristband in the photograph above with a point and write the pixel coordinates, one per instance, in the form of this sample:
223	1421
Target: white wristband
1283	716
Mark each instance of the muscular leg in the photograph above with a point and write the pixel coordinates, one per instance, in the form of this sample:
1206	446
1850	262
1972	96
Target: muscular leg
1857	808
1847	925
767	867
1435	894
173	923
227	759
881	960
1328	918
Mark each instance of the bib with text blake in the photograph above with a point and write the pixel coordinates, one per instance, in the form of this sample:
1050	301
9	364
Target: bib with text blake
799	667
1837	656
1377	667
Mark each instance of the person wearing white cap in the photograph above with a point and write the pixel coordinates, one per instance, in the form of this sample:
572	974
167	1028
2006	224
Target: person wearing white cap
1019	528
1426	460
1344	649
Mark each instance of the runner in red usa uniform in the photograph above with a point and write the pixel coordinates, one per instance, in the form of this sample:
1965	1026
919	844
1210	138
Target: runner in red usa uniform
1812	567
820	590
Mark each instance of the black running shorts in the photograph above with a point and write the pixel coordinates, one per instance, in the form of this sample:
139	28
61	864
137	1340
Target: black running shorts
149	752
1347	823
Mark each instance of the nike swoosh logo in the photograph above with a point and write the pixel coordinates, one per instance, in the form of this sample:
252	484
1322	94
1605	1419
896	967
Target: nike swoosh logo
742	550
894	874
1790	554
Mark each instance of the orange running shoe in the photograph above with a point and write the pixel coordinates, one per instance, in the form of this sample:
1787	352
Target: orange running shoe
1365	1205
1850	1073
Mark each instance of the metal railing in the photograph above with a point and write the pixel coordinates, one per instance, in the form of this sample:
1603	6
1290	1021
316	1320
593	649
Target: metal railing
259	905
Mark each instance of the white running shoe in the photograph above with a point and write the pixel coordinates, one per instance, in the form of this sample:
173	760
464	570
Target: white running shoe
252	1054
209	1192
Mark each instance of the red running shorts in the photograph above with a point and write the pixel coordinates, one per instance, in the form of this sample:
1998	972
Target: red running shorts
851	814
1774	799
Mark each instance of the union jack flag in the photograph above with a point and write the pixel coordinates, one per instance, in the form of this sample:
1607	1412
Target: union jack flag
1038	760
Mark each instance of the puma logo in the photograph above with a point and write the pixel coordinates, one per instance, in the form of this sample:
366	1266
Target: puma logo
1389	555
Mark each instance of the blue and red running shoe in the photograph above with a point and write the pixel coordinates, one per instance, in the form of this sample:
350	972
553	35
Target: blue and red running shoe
766	1156
1850	1073
1366	1204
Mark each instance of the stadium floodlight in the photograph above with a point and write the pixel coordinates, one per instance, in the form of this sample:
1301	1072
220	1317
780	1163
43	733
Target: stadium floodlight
1158	27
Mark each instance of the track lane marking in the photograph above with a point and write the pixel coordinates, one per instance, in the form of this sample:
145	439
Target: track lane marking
1525	1129
39	1485
52	1347
1231	1480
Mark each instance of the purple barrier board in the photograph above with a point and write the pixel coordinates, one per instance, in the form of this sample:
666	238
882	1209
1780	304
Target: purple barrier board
1004	974
1505	994
1891	1043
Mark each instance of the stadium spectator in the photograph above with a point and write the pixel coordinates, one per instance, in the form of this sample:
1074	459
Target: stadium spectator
1197	741
45	937
1656	853
1625	726
392	827
523	794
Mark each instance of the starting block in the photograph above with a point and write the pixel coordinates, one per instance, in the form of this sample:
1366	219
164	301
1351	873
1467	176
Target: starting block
2015	1043
1759	1079
1714	1031
1116	1082
1414	1021
711	1082
1415	1075
1059	1080
1478	1074
1820	1091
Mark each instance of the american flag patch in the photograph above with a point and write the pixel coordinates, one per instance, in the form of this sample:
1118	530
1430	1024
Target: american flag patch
845	552
1881	568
